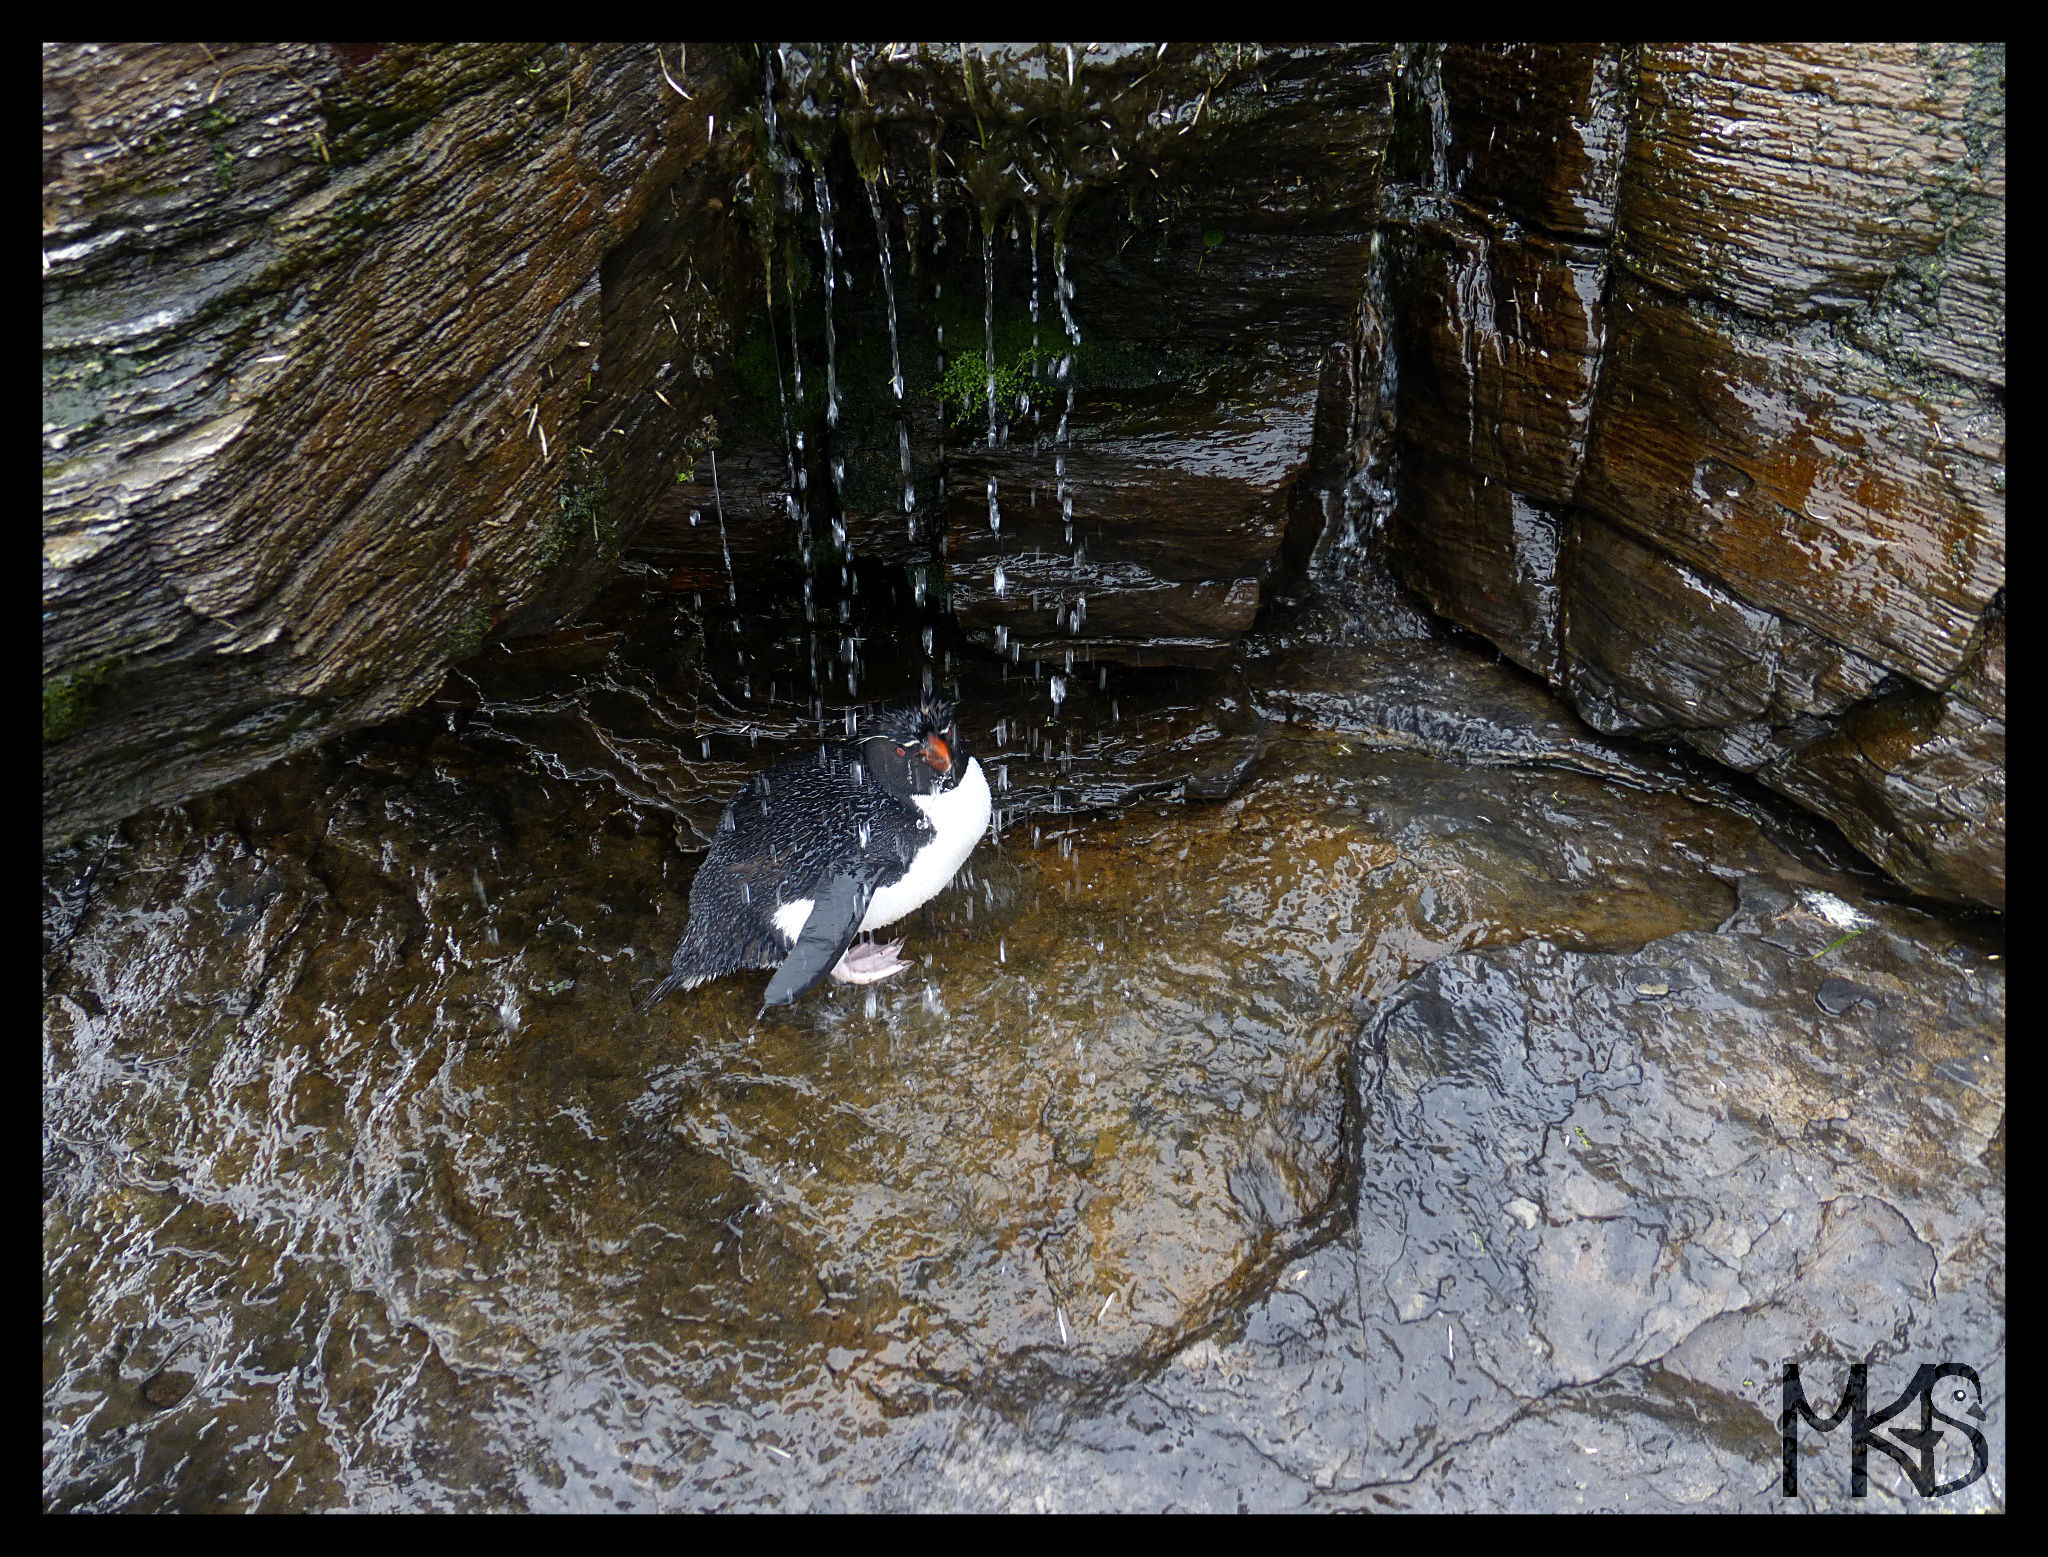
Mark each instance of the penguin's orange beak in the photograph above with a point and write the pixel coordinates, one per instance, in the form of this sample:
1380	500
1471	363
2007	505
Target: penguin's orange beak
937	754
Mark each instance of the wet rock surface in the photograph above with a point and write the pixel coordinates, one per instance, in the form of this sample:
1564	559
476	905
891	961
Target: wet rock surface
1194	1127
1523	1108
1673	370
1116	493
1151	542
1345	1077
1726	470
347	364
1721	454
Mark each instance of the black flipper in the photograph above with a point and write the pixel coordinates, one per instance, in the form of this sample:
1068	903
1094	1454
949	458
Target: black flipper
836	912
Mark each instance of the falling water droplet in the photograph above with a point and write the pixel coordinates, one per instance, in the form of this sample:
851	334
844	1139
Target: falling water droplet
889	292
1034	275
796	356
732	588
1002	582
988	267
1062	287
824	194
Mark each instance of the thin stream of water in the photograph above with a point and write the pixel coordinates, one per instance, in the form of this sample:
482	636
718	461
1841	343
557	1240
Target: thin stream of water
988	271
895	359
824	196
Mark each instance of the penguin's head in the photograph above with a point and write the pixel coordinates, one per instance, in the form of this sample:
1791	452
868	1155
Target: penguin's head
916	746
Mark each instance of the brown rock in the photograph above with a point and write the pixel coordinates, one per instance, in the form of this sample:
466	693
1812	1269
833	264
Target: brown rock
1483	555
1801	470
1917	781
323	337
1833	170
1500	348
1179	504
1538	129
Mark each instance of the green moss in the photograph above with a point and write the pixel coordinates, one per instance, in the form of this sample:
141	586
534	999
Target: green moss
755	368
763	401
215	127
78	385
1027	361
69	701
468	636
757	182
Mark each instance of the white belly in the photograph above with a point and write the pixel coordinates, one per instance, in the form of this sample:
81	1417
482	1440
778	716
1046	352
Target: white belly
959	817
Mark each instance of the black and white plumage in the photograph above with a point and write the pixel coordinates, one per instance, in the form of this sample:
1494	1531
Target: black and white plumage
822	847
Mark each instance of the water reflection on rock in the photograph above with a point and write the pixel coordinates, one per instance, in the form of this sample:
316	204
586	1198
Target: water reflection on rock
1391	1132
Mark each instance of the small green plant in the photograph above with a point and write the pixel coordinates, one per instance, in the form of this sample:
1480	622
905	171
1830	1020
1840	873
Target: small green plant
963	390
1833	945
579	506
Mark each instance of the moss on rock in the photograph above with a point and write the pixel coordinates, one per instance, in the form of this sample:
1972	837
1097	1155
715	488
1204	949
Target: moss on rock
69	700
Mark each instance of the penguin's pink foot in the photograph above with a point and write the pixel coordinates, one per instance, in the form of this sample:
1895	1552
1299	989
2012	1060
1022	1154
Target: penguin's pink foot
868	962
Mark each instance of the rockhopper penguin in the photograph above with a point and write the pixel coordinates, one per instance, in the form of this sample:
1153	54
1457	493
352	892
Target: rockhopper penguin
824	846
